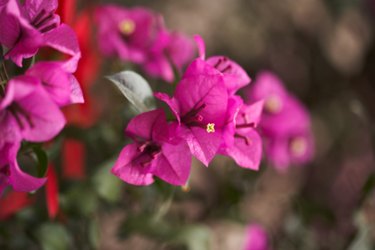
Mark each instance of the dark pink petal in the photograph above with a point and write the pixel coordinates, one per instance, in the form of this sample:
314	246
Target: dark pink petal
235	77
54	79
19	180
42	118
171	102
246	150
150	125
203	145
30	40
10	30
234	105
174	163
34	7
129	171
23	182
210	91
249	116
64	40
76	95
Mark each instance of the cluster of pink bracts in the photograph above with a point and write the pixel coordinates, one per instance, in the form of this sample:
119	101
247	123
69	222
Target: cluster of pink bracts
30	103
209	117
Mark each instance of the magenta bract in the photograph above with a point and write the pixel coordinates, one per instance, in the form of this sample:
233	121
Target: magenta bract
155	151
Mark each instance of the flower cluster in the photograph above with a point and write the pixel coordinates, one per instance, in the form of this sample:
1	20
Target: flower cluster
209	119
285	123
30	103
139	35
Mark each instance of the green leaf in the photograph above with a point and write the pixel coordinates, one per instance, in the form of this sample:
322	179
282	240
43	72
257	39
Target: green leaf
54	237
135	88
42	159
196	237
106	184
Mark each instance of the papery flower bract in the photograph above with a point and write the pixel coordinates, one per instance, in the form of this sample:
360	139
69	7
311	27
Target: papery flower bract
285	123
30	111
200	106
11	174
242	142
155	152
27	27
126	33
256	238
62	86
235	77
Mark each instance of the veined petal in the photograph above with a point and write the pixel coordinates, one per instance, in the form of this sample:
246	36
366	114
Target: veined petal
246	150
64	40
173	165
202	145
128	171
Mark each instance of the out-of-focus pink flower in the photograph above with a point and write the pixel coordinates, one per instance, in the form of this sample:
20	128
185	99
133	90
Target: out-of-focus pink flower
200	106
156	151
126	33
256	238
171	51
139	35
285	122
27	27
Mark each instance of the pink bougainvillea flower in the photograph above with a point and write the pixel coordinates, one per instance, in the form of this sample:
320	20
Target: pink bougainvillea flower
285	123
242	142
200	106
156	151
126	33
295	148
28	110
27	27
61	85
235	77
256	238
11	174
139	35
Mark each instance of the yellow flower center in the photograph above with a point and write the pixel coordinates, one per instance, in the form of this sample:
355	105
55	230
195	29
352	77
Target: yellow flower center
210	128
298	146
127	27
273	104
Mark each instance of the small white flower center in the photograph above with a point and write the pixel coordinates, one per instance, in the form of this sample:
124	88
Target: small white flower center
210	128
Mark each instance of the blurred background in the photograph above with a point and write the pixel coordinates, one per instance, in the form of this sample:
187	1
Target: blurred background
324	52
